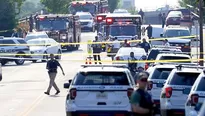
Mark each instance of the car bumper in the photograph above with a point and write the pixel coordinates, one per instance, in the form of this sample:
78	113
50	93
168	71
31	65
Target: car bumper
172	112
98	113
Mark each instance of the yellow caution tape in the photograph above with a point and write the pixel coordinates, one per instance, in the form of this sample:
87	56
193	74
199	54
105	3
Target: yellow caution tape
105	42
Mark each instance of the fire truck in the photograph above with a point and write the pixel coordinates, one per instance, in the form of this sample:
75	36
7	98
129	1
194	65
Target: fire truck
92	6
123	26
64	28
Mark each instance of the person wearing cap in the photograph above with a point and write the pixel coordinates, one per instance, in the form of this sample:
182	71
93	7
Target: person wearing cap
140	100
145	45
52	66
166	43
97	48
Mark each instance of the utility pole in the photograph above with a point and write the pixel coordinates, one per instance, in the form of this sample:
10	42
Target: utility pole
201	32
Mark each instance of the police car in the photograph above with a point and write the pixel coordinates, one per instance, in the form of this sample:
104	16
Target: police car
176	90
157	77
11	50
100	90
196	97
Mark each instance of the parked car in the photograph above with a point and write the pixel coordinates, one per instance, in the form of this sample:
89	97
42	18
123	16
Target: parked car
36	35
42	47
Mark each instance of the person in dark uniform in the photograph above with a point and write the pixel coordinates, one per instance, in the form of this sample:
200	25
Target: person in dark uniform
149	31
142	14
145	45
97	48
163	20
52	66
141	101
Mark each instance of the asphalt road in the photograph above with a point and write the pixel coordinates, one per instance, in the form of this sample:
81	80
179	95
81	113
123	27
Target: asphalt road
22	88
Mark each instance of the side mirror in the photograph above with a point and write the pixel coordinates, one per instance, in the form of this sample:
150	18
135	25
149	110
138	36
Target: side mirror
66	85
70	80
161	35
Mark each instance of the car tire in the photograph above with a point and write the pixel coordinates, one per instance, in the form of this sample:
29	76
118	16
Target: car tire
59	54
3	62
45	57
34	61
19	61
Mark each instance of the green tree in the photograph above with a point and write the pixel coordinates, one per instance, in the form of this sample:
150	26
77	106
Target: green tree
56	6
113	4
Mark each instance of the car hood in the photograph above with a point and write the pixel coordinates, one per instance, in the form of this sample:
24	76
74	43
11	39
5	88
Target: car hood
34	48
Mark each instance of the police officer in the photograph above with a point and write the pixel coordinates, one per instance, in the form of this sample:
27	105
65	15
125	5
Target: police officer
132	65
52	66
149	31
145	45
97	48
141	100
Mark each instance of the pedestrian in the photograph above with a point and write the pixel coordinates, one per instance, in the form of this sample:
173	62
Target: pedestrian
125	44
15	33
142	14
160	17
132	43
52	66
145	45
132	63
149	31
166	43
115	47
141	101
163	20
31	23
97	48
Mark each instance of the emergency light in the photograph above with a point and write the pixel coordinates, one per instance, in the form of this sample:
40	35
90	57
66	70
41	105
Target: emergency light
109	20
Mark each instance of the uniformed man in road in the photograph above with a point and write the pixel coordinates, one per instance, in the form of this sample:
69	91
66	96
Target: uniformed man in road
145	45
52	66
141	101
97	49
149	31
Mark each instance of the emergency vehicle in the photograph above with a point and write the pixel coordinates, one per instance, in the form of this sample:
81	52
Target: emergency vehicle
123	26
64	28
92	6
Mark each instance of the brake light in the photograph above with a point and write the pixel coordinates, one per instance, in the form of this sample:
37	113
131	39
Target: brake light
168	92
186	47
129	92
109	20
118	58
73	93
194	99
150	85
99	18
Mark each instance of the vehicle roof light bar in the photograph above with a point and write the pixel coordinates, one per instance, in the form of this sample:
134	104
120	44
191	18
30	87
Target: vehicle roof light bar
179	67
104	65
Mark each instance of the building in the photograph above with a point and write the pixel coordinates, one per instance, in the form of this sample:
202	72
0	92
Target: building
127	4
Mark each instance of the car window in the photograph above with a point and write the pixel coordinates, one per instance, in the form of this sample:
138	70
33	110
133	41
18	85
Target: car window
175	14
175	58
153	53
176	33
85	17
21	41
8	42
201	86
101	78
183	78
37	42
29	37
52	41
161	73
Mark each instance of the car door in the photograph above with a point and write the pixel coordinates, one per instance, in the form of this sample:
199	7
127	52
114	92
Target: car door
48	46
52	46
55	46
9	48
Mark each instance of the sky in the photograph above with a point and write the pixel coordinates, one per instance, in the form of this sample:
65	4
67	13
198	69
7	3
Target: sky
151	4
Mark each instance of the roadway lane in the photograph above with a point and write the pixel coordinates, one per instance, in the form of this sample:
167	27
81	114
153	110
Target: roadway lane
22	88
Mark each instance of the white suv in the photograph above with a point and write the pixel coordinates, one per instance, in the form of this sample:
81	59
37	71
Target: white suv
176	90
196	96
100	89
158	76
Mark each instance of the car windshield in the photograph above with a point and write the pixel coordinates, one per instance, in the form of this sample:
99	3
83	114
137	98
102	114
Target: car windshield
153	53
177	33
176	58
101	78
126	51
183	78
161	73
37	42
175	14
201	86
85	17
57	24
30	37
123	30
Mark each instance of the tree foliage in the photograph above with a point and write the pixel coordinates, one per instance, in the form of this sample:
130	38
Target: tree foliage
113	4
56	6
184	3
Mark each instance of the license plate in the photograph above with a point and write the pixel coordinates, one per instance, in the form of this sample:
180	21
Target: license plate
101	96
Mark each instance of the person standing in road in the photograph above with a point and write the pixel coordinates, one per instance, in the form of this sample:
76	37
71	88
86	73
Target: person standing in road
163	20
52	66
142	14
97	48
166	43
125	44
115	47
141	101
160	17
145	45
149	31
